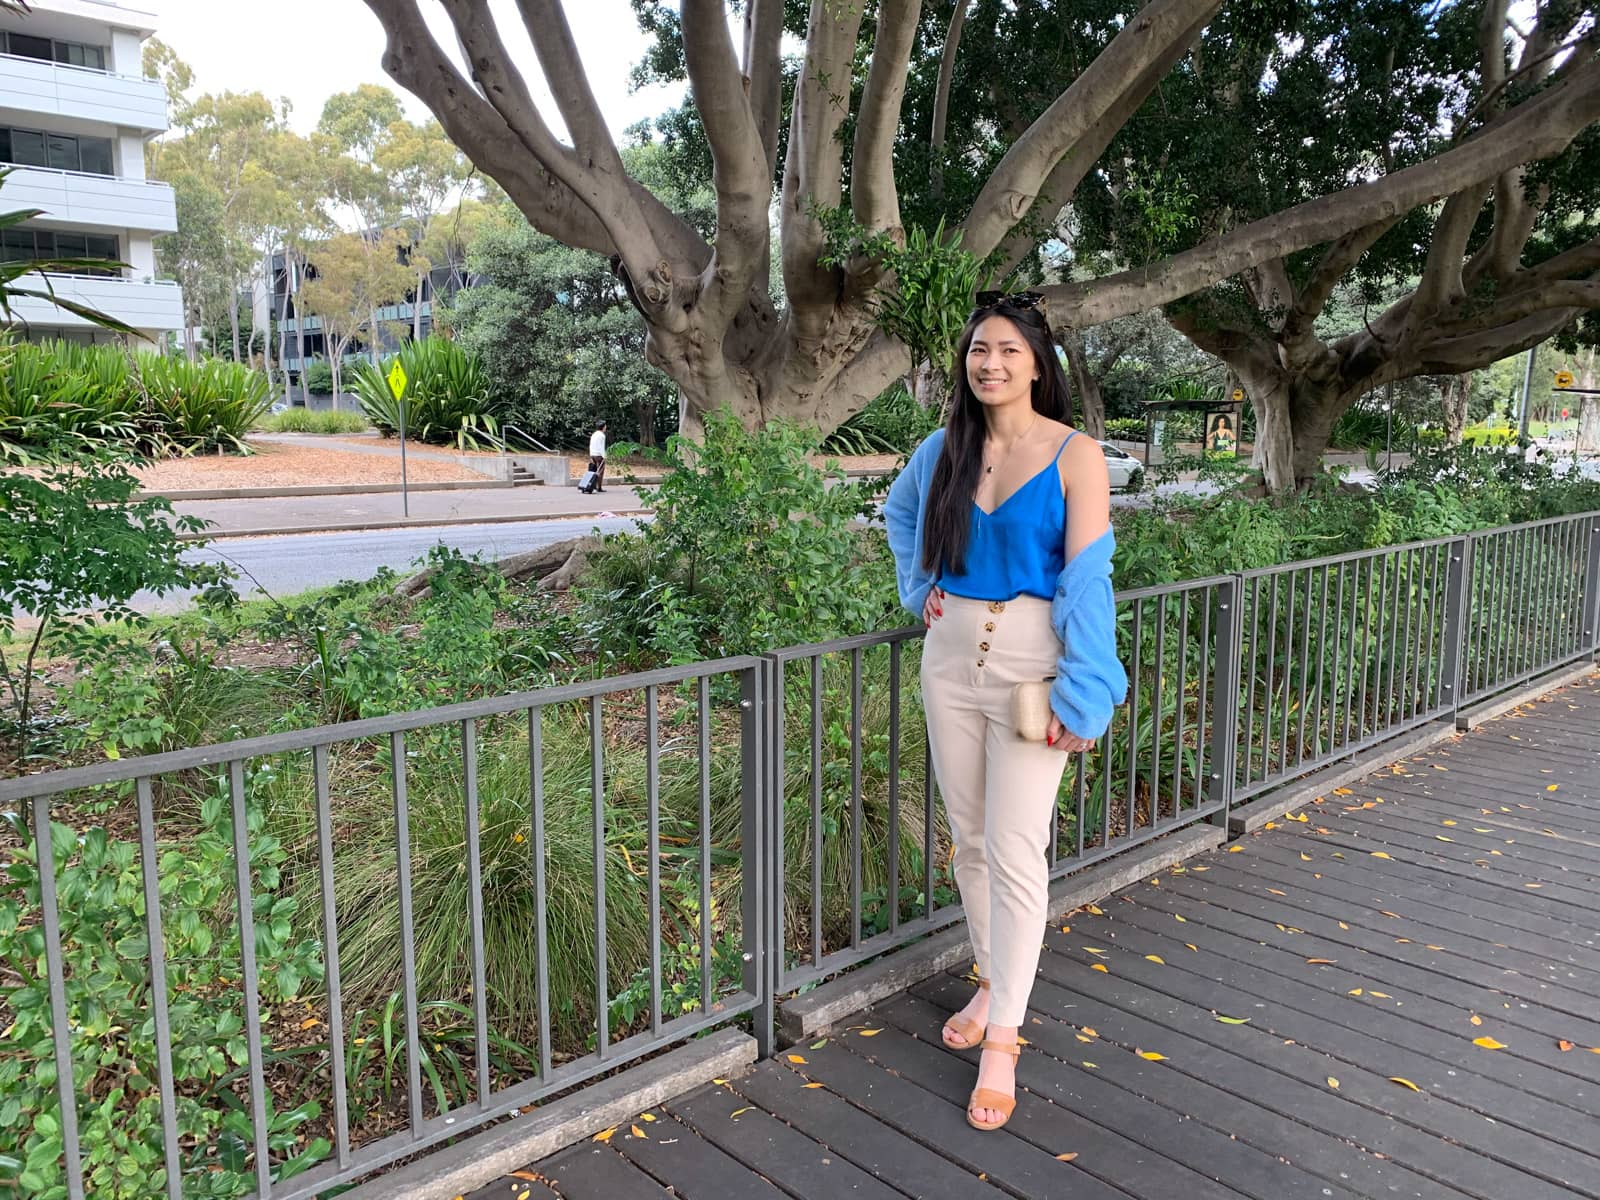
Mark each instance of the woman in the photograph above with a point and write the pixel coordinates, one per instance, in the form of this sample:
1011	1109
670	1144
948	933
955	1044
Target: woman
1000	527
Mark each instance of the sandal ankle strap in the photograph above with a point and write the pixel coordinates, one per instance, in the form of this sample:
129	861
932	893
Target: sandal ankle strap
1011	1048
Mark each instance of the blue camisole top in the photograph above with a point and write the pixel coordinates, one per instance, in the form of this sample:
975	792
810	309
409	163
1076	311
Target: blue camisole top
1019	549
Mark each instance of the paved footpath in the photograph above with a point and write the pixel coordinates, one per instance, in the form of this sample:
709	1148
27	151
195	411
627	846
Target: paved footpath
383	510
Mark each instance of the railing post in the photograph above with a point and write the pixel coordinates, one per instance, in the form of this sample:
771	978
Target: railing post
1225	697
758	904
1591	589
1456	618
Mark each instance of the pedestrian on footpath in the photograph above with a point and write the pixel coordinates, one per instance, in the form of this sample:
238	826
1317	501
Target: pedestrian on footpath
597	456
1001	532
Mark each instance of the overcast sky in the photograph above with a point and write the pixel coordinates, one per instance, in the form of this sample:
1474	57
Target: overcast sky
306	50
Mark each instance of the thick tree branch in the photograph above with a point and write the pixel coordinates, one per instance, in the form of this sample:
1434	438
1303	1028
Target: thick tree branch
1441	283
941	97
1147	39
1336	262
1471	352
1525	302
812	172
763	74
743	184
874	200
1539	128
547	27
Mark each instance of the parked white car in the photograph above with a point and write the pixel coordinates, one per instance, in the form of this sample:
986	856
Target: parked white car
1126	471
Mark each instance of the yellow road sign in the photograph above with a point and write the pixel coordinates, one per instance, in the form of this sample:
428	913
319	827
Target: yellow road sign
1238	395
1563	379
397	379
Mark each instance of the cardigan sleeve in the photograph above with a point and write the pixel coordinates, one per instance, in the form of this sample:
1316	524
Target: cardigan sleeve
903	512
1090	680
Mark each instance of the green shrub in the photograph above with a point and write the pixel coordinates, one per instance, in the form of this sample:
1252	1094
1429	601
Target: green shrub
1479	435
1126	429
318	376
893	423
306	420
192	406
446	398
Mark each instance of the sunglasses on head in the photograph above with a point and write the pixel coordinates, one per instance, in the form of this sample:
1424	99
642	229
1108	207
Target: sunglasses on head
1017	300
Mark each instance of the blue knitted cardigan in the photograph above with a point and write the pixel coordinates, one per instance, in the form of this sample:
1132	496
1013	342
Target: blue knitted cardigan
1090	681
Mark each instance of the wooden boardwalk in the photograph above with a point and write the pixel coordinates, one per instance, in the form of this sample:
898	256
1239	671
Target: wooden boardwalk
1394	993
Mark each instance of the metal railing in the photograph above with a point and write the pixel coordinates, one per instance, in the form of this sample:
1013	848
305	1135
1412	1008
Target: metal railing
572	878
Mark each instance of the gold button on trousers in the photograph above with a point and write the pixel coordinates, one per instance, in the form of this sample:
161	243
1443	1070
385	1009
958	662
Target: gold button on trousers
999	791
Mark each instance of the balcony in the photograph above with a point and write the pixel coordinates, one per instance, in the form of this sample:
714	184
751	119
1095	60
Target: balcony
153	307
58	90
104	201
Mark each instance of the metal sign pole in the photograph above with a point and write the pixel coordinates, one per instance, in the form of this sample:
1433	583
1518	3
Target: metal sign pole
1527	393
397	387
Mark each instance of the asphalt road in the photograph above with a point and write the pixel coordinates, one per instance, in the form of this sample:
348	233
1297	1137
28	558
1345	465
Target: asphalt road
282	565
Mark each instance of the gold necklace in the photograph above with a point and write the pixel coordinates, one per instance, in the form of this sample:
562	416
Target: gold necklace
989	470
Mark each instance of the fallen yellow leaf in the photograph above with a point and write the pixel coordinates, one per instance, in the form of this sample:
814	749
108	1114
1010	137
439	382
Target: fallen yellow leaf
871	1032
1234	849
1193	947
637	1132
1477	1020
804	1086
797	1058
1353	992
1066	1157
1152	1056
1381	854
1322	960
720	1082
647	1117
1447	822
605	1134
1090	1065
1156	958
1100	967
1404	1083
1563	1045
1488	1043
1342	792
1333	1083
738	1111
1304	857
1381	995
1342	925
1276	892
1182	919
1552	787
524	1194
1090	1032
1095	909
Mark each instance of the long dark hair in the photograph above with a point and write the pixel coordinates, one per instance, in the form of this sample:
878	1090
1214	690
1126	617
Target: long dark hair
948	522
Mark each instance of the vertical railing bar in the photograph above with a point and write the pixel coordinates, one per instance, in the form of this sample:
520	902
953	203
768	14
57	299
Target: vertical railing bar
816	810
1156	714
1554	542
1384	646
707	930
1417	604
1250	680
1366	647
1292	583
1135	675
541	947
760	909
856	882
1201	738
408	944
55	970
1105	780
776	799
149	865
652	793
1529	646
1182	705
330	953
1580	545
249	977
1079	800
1322	658
894	786
1270	691
1529	588
1493	598
1225	697
1432	659
1508	597
1555	636
1338	640
480	991
1400	658
1589	606
597	815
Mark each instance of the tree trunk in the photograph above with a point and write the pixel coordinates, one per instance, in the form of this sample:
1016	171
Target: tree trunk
1454	392
293	265
372	336
1588	408
927	386
644	412
233	320
416	306
1091	403
334	361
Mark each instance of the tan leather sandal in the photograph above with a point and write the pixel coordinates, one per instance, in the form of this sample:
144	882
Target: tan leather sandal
988	1097
964	1027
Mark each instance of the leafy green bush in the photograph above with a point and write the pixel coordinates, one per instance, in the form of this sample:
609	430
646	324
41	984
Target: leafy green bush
752	547
318	376
1479	435
893	423
55	394
1126	429
306	420
103	938
447	399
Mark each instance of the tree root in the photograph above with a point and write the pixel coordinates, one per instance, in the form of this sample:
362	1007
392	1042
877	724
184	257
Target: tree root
556	567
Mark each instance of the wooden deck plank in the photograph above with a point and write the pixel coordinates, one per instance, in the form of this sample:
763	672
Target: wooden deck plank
594	1171
1052	1070
801	1166
876	1147
696	1169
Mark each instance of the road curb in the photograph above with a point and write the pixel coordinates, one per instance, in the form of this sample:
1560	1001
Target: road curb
404	523
288	491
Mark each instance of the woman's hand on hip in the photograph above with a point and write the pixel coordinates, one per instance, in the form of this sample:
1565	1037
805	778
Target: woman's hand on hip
932	607
1058	737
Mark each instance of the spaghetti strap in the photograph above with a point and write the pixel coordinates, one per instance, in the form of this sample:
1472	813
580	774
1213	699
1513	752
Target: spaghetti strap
1063	445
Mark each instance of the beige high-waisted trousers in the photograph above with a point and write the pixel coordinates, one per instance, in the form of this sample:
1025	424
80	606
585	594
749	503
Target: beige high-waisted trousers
999	791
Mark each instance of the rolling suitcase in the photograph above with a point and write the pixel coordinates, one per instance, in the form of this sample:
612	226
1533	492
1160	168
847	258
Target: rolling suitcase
590	480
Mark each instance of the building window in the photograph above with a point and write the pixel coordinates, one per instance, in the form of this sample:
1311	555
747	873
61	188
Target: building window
72	54
21	245
63	151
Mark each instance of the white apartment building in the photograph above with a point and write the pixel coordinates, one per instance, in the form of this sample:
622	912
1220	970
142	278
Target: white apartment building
75	113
